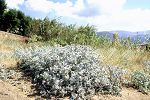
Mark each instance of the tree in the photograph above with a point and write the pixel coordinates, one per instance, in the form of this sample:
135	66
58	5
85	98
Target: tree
24	23
2	7
128	42
116	41
15	21
26	26
34	30
10	21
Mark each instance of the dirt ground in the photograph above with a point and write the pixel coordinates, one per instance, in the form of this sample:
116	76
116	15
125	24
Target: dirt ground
127	94
9	92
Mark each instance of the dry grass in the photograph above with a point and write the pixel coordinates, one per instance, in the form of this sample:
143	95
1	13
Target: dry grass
125	58
8	43
6	35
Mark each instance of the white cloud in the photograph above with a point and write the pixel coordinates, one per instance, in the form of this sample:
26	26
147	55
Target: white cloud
130	20
14	3
108	6
113	16
105	14
61	9
44	6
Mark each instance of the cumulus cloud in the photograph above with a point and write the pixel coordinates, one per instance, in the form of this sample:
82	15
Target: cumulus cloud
89	12
108	6
61	9
130	20
105	14
44	6
14	3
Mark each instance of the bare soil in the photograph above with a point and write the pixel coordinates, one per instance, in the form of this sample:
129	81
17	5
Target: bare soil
126	94
9	92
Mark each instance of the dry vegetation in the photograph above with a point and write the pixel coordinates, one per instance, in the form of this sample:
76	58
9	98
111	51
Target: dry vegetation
15	87
8	43
31	68
125	58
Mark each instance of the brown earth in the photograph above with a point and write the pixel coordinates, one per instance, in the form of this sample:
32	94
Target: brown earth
13	36
126	94
9	92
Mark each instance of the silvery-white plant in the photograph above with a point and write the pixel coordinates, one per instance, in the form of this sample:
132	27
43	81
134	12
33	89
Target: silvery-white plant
72	70
147	66
141	81
5	74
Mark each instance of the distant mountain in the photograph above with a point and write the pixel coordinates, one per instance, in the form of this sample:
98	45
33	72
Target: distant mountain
136	37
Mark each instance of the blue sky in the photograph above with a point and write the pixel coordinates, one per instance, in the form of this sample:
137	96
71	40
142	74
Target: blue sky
133	4
106	15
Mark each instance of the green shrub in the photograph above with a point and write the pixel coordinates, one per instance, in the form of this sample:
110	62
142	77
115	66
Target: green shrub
147	67
60	33
5	74
34	38
116	41
141	81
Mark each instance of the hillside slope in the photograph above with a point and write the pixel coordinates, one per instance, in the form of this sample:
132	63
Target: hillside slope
8	43
6	35
9	91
